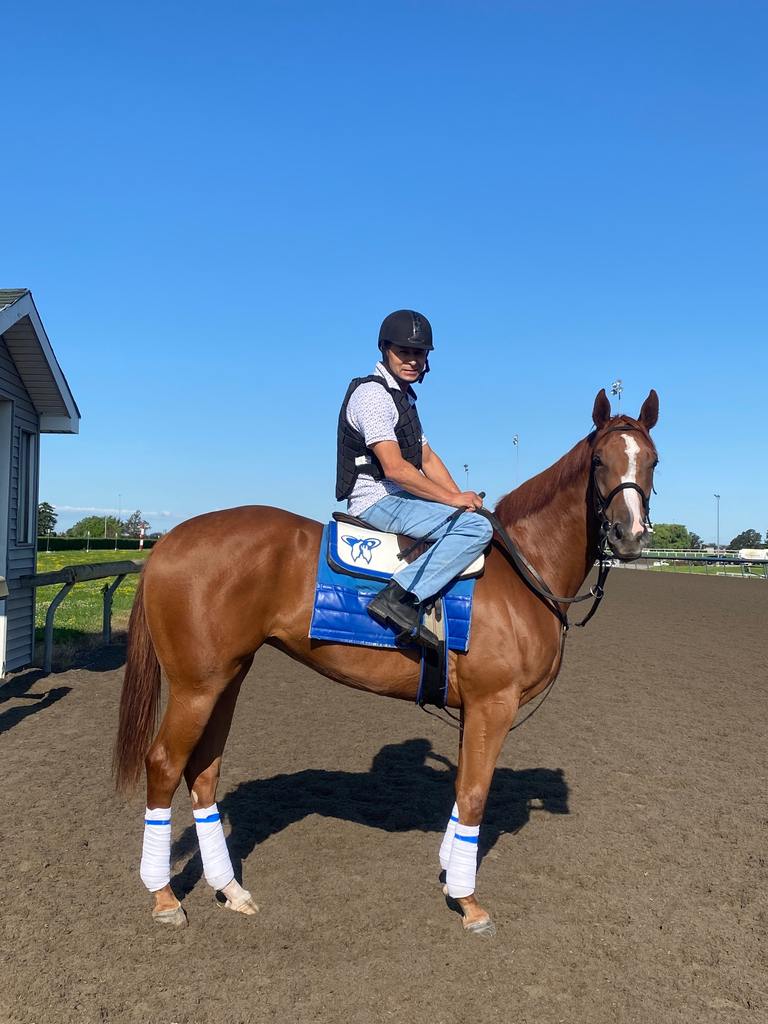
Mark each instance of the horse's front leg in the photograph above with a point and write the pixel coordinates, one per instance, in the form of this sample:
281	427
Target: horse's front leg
487	721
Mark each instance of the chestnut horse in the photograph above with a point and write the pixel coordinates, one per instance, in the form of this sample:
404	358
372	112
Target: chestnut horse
220	585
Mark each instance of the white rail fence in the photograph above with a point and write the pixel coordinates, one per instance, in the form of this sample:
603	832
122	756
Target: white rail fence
736	564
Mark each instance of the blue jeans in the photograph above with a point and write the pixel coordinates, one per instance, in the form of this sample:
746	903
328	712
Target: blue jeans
457	544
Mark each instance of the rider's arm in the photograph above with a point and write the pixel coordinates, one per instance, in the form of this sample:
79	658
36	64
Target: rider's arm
435	469
410	479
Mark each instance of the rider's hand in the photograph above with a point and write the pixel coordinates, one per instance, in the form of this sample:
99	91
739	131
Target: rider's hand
467	499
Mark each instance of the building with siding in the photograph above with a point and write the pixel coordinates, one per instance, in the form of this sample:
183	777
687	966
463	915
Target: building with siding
34	399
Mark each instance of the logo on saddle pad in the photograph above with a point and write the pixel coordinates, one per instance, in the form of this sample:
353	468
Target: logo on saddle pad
361	547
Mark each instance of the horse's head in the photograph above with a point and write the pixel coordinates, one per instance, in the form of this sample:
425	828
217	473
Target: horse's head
623	460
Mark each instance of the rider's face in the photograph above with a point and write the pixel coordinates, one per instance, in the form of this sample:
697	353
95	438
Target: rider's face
407	364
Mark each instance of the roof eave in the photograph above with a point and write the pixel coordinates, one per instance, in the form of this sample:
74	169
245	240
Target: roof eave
25	306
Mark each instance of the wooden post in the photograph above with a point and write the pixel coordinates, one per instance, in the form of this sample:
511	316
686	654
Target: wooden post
48	649
108	591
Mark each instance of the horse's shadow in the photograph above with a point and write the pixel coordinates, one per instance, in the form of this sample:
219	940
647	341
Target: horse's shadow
400	793
17	688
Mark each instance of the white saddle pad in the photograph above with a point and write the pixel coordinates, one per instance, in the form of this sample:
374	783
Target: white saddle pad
364	551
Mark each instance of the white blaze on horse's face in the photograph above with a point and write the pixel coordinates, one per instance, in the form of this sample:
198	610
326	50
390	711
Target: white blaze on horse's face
631	496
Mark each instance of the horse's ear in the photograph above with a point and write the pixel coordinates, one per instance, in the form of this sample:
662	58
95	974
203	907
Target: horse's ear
649	414
601	410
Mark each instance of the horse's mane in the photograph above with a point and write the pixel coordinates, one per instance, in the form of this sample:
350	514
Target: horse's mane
535	494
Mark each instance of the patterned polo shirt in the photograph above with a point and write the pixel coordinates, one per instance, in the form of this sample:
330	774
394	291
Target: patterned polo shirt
372	411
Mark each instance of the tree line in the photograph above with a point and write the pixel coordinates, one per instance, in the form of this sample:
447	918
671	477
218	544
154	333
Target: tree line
93	526
674	535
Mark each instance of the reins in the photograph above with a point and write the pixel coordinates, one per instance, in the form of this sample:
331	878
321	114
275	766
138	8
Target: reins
533	579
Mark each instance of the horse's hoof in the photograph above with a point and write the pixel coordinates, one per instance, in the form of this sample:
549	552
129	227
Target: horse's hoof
176	918
485	928
445	890
243	903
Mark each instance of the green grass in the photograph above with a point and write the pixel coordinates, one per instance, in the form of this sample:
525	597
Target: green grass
80	613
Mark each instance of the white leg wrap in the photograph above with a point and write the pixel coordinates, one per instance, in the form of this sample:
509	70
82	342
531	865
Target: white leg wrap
447	843
461	872
155	867
217	866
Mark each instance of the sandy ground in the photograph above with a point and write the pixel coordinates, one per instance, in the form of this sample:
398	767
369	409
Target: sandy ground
625	844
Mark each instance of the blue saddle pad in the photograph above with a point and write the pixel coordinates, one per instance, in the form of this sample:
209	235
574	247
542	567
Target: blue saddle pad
340	611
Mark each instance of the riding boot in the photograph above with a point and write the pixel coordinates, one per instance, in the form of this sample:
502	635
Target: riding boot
394	606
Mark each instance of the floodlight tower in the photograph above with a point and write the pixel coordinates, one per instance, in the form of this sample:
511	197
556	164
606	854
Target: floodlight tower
516	443
717	543
466	476
617	389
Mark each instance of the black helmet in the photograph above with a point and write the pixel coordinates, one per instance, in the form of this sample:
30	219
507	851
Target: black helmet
406	328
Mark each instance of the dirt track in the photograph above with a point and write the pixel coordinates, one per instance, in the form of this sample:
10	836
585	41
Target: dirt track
625	844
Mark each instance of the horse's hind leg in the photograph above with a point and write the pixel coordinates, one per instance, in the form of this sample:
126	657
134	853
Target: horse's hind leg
202	777
190	707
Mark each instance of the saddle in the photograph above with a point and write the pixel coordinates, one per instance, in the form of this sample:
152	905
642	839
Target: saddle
355	562
359	550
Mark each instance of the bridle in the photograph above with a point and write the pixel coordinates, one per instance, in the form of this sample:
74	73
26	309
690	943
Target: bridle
601	505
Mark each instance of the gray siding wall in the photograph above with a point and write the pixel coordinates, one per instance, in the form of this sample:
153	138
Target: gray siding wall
20	603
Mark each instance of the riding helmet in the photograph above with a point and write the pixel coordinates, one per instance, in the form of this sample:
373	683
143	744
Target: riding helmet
407	328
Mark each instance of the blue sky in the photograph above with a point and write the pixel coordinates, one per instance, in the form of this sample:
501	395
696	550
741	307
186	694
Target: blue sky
214	208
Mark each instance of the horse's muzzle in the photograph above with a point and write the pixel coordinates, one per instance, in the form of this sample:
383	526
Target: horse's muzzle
623	543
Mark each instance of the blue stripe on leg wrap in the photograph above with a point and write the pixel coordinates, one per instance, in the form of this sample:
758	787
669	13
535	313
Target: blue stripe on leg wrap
149	821
467	839
211	817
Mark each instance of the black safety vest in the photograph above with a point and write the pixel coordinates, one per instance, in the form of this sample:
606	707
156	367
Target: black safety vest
352	456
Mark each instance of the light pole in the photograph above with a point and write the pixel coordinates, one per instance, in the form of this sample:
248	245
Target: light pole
617	389
717	544
119	510
466	477
87	540
516	443
48	540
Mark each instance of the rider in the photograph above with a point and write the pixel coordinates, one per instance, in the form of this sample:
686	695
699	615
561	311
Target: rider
395	482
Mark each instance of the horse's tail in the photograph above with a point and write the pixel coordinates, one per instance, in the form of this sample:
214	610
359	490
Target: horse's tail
138	700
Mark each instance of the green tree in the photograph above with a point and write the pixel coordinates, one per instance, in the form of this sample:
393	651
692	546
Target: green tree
97	526
670	535
46	519
746	539
695	540
133	525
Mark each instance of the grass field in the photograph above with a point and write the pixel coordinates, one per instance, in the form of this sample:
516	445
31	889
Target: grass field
78	619
712	570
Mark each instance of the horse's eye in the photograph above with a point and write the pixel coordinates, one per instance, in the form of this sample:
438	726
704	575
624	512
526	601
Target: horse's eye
596	461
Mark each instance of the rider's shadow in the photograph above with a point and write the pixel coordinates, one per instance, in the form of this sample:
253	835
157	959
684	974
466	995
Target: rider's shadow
400	793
